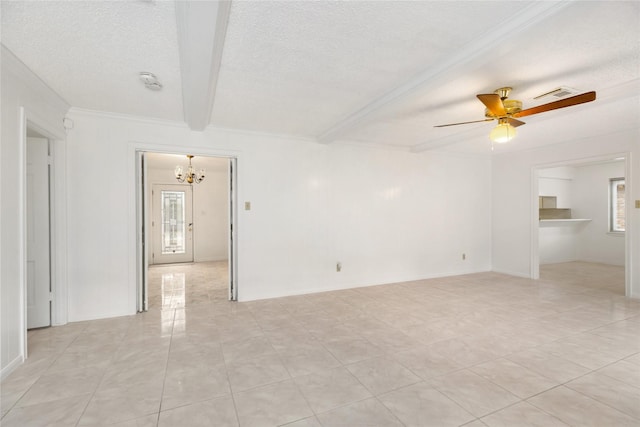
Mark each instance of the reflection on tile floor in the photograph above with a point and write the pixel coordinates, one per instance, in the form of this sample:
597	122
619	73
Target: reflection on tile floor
177	285
481	349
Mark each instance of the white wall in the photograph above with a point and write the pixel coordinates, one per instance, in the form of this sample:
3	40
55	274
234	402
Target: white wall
557	182
514	205
559	242
210	210
591	200
387	216
20	88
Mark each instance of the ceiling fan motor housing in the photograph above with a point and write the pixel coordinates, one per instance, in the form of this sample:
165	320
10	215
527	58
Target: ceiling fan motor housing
511	106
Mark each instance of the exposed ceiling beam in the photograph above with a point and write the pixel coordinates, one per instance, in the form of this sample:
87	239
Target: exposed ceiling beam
464	60
202	26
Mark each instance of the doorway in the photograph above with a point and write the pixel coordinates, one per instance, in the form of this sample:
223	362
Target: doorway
42	226
579	220
185	230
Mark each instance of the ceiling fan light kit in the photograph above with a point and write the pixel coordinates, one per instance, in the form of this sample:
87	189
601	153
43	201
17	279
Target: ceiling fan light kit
503	132
498	107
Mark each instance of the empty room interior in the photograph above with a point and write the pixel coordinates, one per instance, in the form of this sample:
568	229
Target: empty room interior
319	213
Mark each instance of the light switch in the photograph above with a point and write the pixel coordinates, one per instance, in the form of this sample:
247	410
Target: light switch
247	206
637	204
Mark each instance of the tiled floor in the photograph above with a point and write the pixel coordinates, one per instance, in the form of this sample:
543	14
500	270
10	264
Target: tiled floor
476	350
183	285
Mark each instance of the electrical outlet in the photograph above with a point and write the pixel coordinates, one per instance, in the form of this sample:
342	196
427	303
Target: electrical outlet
247	206
464	257
339	267
637	204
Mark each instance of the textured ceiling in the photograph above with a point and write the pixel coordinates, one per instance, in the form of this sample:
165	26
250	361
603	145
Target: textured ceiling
91	52
299	67
371	72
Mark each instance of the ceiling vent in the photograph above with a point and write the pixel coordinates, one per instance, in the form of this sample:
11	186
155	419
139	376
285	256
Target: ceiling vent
559	93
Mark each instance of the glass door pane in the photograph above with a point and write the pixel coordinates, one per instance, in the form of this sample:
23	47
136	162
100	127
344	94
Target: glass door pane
173	222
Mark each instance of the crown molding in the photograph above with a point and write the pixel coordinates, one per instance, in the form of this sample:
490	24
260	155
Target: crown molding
128	117
374	145
259	134
462	136
12	64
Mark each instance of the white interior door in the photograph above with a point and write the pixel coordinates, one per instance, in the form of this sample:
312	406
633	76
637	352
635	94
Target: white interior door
38	248
172	223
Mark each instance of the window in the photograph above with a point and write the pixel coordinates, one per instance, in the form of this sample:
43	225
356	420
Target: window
616	205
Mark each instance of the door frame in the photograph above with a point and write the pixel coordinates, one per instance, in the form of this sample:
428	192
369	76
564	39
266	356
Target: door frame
630	225
57	218
139	240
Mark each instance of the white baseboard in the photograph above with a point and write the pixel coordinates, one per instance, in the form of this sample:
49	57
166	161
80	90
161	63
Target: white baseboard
11	367
353	285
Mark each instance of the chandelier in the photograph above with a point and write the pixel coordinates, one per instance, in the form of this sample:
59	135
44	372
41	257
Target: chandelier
191	176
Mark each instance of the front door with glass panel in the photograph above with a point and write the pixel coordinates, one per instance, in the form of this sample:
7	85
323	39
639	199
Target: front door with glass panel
172	224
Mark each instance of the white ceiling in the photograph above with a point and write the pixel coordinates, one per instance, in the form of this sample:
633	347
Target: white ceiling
378	72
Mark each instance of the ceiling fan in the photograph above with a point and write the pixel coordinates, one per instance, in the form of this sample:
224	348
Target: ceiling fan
506	111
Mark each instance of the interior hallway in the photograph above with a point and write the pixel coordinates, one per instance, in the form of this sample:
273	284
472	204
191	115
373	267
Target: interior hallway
482	349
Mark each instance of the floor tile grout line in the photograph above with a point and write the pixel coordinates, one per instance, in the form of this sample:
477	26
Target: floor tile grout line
76	337
595	398
389	410
166	366
545	376
542	409
613	363
297	386
53	361
433	388
231	393
104	373
486	379
525	401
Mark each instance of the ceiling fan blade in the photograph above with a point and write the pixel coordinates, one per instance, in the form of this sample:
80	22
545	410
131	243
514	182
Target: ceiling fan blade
464	123
515	123
493	102
562	103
